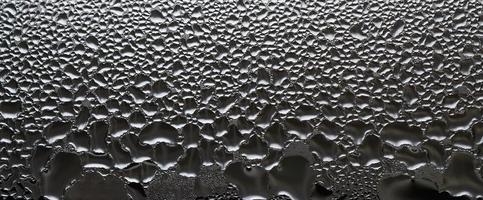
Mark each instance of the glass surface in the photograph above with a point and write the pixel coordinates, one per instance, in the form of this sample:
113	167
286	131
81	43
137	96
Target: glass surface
216	99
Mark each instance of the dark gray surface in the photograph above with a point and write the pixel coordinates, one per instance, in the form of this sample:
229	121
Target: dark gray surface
232	99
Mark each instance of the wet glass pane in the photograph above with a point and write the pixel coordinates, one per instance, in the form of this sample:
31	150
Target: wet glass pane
224	99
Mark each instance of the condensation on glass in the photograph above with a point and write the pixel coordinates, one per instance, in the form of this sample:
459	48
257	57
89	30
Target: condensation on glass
216	99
